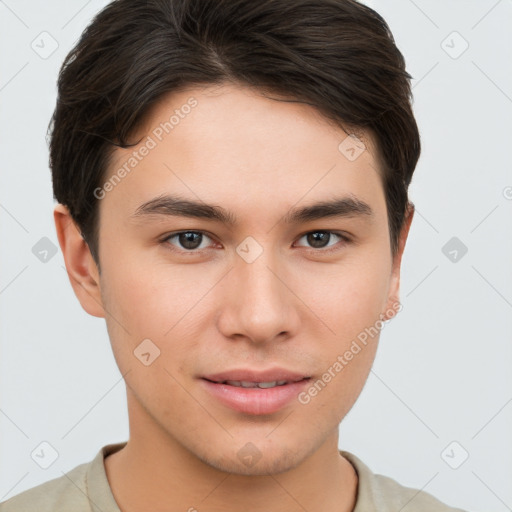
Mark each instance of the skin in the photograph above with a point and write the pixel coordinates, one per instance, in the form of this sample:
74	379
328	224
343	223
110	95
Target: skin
294	306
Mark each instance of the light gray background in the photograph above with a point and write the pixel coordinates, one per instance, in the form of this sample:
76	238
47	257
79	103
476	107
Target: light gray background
442	372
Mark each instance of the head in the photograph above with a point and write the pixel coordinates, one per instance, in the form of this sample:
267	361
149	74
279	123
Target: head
289	124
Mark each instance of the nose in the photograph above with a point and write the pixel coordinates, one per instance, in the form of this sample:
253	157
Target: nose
258	304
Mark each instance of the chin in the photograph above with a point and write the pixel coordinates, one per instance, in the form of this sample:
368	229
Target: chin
258	459
268	464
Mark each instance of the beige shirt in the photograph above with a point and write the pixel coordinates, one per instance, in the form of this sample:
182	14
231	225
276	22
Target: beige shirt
86	489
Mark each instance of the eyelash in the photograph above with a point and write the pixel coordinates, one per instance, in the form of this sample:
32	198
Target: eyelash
345	239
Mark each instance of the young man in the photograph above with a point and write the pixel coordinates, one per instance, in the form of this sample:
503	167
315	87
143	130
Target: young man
232	184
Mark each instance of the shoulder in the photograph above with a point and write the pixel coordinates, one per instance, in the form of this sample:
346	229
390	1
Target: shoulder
84	488
379	492
66	493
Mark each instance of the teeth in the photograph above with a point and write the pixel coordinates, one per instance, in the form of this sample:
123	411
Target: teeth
246	384
267	384
262	385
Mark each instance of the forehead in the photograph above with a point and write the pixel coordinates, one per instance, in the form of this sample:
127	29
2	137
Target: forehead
245	149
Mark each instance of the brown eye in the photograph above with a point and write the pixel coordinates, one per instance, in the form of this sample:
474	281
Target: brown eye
323	239
187	240
318	239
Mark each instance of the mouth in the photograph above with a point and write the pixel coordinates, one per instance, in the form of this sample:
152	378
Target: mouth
262	385
255	394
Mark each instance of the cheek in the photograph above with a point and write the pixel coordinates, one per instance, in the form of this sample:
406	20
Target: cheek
345	372
156	302
348	297
152	296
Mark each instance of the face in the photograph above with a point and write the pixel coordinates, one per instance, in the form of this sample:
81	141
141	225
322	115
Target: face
265	287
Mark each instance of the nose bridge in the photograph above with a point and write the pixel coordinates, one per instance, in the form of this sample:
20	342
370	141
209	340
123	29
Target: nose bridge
261	283
261	306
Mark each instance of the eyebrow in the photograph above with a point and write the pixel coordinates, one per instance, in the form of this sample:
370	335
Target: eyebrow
170	205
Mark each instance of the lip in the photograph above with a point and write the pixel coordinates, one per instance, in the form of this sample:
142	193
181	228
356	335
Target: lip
256	401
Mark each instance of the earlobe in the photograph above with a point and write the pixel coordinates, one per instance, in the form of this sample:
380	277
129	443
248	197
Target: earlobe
80	265
393	303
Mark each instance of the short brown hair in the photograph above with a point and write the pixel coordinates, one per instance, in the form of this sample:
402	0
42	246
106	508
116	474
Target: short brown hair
338	56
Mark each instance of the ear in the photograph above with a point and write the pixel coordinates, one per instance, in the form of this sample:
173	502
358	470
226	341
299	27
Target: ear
82	270
393	303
